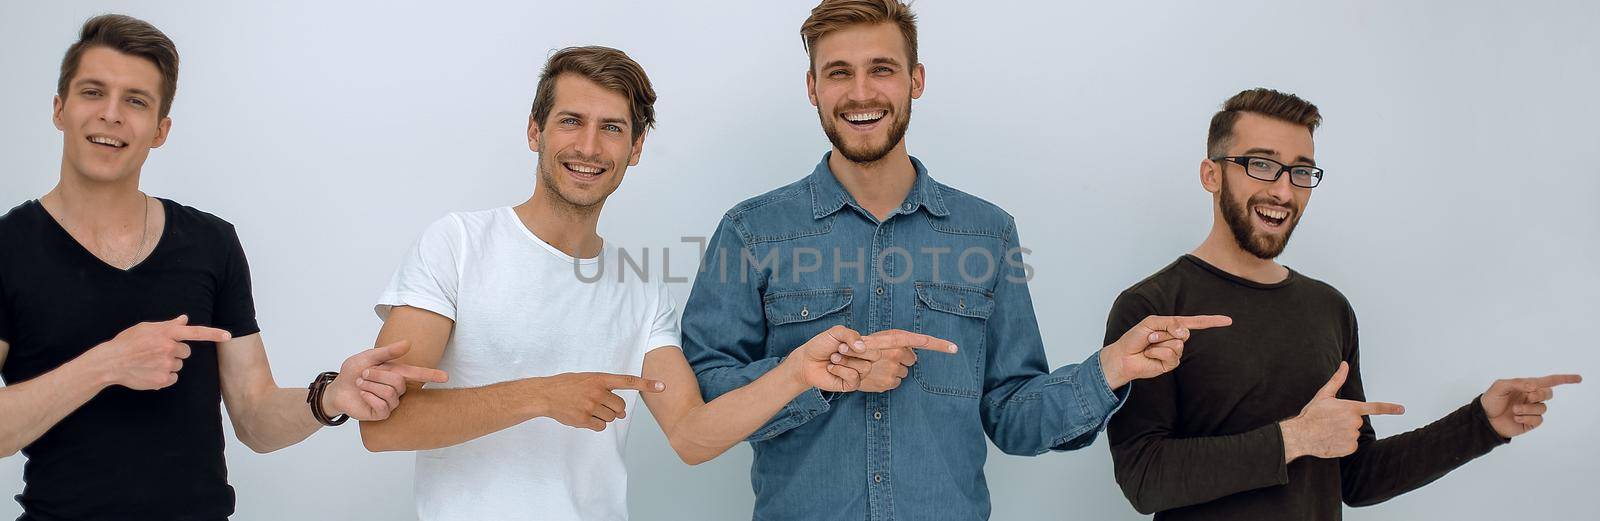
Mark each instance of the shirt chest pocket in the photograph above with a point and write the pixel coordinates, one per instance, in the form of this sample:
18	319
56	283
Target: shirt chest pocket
793	317
959	314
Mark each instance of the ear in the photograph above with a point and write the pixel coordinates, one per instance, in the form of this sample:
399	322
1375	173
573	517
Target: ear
919	78
1211	176
55	112
638	148
811	86
533	134
162	130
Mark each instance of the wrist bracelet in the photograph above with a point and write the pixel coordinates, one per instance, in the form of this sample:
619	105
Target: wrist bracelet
314	399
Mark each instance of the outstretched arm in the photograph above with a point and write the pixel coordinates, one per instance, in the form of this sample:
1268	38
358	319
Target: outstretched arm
145	356
434	418
834	360
1384	468
267	417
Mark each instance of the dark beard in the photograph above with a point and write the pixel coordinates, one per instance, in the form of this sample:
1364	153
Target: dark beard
897	132
1262	246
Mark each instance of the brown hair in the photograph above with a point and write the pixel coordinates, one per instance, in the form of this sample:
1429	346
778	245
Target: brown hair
127	35
833	15
608	67
1266	102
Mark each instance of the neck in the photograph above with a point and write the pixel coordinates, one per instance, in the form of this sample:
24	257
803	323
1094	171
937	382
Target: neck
879	186
1221	250
559	224
97	206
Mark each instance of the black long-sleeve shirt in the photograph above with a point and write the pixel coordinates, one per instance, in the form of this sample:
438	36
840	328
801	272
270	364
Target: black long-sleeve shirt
1203	442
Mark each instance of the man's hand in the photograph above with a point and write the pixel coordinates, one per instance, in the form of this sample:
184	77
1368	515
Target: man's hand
1516	406
1152	347
370	383
1328	427
148	356
889	355
811	364
840	359
887	371
586	400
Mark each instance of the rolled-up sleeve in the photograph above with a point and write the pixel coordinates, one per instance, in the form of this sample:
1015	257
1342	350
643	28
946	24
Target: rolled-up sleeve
1027	409
725	330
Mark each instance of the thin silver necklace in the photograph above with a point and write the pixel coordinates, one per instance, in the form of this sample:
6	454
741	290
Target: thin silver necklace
144	237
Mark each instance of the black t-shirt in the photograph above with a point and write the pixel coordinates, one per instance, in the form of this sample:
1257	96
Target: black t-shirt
1202	442
125	454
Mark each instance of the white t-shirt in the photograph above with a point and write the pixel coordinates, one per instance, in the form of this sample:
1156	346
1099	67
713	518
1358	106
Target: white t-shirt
521	310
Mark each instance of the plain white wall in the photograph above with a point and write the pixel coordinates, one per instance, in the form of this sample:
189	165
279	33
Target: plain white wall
1458	213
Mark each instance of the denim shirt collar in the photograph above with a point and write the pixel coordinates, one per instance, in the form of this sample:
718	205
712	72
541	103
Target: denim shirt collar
828	195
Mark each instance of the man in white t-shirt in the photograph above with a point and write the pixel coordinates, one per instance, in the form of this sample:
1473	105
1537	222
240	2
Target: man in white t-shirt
502	298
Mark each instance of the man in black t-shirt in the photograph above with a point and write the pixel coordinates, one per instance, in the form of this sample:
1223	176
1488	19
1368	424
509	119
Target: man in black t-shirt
124	319
1251	425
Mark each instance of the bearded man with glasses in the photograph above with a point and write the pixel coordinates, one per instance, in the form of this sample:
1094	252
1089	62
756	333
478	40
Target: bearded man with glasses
1267	419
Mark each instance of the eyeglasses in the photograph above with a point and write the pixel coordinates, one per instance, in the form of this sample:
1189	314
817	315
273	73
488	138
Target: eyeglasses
1268	170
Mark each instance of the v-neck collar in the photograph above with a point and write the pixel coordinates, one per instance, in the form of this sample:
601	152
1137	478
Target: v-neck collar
166	226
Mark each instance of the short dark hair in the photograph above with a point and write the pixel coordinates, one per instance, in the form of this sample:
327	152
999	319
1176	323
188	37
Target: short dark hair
1266	102
610	68
127	35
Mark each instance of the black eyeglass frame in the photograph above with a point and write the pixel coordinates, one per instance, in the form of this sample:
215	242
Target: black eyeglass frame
1244	161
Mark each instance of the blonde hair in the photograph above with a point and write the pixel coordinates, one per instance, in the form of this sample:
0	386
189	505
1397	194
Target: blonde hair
833	15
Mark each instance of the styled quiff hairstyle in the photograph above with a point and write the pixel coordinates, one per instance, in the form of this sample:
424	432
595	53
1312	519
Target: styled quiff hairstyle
833	15
1266	102
608	67
127	35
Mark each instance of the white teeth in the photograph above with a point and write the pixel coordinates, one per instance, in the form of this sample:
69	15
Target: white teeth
1273	213
105	141
865	116
582	169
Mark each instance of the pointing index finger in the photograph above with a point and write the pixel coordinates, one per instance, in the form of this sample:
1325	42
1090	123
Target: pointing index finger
1374	408
201	333
1557	379
637	383
1204	321
415	373
895	339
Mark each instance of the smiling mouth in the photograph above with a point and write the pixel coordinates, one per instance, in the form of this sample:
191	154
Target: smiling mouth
583	172
864	118
107	141
1272	216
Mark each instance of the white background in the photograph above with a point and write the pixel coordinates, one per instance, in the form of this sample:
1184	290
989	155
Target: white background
1458	212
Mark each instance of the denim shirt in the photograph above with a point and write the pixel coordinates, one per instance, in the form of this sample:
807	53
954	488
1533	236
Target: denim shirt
789	264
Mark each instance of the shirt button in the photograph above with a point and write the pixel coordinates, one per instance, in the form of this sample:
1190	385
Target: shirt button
907	206
880	290
805	312
877	415
877	478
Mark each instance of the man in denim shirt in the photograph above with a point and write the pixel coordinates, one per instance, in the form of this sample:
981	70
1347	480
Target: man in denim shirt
870	242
